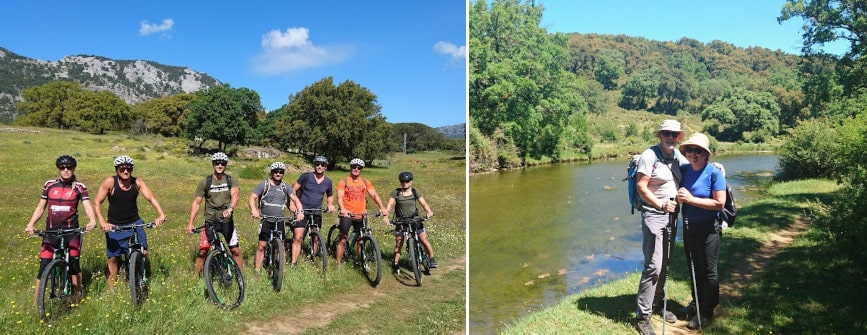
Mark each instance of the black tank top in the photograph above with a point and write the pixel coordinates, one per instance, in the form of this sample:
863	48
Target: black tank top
122	206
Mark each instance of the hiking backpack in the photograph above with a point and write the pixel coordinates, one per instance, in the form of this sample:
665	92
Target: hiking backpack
268	188
729	212
632	178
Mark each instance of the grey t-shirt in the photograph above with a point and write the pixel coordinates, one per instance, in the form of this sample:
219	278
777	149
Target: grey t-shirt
275	201
662	178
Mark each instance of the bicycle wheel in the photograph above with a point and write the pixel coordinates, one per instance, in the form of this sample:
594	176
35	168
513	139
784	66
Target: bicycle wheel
317	252
424	258
223	280
333	235
55	290
412	248
137	281
371	260
276	263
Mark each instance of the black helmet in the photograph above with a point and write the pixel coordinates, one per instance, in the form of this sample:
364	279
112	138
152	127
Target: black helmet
320	159
65	160
405	176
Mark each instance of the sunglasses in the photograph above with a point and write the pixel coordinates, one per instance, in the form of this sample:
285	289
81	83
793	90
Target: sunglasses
320	164
278	171
693	150
124	168
223	163
356	167
66	167
669	133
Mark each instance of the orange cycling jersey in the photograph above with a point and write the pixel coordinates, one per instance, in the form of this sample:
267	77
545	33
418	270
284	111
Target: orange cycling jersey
355	193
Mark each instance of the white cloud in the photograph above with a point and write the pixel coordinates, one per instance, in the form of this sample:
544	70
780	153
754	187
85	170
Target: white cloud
455	53
292	50
147	28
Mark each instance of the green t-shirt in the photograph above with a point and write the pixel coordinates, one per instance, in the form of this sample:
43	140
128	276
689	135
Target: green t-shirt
405	205
220	196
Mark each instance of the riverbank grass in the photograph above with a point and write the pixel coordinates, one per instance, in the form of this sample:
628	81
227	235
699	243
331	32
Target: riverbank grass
806	288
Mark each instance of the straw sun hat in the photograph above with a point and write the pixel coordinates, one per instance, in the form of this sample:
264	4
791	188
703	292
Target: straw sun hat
698	139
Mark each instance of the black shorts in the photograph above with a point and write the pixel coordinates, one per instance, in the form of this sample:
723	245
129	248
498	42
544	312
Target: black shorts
346	222
265	227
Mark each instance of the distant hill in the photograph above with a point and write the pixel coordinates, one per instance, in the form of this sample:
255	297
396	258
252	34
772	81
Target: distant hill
457	131
132	80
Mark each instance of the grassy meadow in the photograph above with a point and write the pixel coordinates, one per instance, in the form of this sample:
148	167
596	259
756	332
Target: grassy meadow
807	288
176	303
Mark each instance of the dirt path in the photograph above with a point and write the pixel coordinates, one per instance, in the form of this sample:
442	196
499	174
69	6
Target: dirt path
742	275
323	313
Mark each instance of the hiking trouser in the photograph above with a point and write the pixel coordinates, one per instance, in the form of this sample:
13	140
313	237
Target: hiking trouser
657	257
702	242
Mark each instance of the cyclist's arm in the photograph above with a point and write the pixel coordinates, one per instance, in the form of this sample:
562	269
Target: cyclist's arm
424	205
377	200
101	194
236	194
388	208
194	209
330	202
150	197
37	213
254	209
293	199
89	211
340	200
292	206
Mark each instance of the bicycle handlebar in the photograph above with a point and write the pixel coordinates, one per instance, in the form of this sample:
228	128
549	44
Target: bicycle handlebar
315	211
131	227
364	214
59	232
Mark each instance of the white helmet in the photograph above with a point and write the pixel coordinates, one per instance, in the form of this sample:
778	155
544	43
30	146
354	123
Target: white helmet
277	166
123	160
219	157
356	161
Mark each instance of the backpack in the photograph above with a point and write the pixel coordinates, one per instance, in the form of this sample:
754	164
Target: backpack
210	179
414	197
632	178
268	187
729	212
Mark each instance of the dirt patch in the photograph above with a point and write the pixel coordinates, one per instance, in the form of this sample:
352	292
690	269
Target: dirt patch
743	274
321	314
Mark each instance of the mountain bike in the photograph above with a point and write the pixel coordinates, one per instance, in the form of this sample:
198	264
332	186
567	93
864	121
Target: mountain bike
223	278
314	248
419	260
369	259
134	264
274	260
56	292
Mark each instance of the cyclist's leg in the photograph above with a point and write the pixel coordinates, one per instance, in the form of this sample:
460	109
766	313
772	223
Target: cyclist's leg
45	255
298	234
398	243
234	247
142	237
75	263
422	237
264	234
345	224
317	221
356	226
116	243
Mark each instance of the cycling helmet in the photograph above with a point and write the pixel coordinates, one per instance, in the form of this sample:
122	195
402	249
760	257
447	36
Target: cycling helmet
277	166
320	159
356	161
405	176
219	157
123	160
65	160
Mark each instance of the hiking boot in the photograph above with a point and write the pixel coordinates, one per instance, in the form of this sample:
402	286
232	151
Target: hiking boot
433	263
669	317
643	325
694	322
687	312
395	269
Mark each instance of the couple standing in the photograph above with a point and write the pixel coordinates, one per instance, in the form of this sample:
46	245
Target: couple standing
668	178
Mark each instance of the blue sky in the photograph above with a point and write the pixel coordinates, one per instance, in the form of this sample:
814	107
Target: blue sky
743	23
411	54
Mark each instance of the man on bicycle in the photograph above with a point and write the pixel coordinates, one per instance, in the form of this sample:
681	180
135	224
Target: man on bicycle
122	191
275	196
351	197
61	196
403	200
220	197
311	188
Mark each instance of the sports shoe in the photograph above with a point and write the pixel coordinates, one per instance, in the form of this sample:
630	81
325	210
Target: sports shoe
687	312
694	324
433	263
395	269
643	326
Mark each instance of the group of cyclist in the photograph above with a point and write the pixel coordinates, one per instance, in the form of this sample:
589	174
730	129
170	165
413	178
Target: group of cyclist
219	193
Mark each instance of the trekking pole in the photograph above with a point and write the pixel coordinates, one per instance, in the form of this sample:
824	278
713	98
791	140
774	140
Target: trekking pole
672	218
692	269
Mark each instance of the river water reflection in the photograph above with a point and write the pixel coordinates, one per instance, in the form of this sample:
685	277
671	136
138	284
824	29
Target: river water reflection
540	234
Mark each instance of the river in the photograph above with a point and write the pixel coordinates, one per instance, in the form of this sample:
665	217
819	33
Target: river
542	233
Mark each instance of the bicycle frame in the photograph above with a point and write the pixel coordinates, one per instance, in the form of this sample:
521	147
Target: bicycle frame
419	259
138	286
227	270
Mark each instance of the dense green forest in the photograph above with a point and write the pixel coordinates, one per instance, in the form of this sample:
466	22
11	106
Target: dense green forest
532	94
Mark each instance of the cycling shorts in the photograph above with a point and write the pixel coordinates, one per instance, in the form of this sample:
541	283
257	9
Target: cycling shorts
117	242
228	230
265	227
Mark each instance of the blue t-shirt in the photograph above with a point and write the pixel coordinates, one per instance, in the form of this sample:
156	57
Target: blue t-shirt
699	184
311	192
